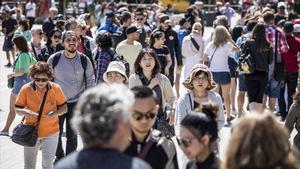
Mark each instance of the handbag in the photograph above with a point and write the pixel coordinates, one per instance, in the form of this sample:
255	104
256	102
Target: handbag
10	82
246	62
27	135
279	67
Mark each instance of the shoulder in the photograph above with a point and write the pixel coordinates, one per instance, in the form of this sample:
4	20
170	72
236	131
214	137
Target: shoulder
55	86
134	77
163	77
138	164
69	162
214	96
166	144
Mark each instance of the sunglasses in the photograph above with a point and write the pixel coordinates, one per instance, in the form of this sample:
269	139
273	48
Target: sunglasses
139	19
185	142
139	116
71	40
41	79
57	37
40	33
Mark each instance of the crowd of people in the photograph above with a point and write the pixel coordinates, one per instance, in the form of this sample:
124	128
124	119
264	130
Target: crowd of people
144	90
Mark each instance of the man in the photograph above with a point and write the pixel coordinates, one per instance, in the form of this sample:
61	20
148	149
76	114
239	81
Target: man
36	44
184	29
111	23
140	21
101	118
48	24
9	26
273	87
228	12
145	142
280	15
172	43
30	12
130	48
73	77
291	68
199	7
18	15
120	34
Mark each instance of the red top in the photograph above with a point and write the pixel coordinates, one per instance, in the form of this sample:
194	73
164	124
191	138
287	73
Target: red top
290	57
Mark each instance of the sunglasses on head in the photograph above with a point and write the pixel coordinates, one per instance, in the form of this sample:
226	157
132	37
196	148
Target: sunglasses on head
185	142
139	116
41	79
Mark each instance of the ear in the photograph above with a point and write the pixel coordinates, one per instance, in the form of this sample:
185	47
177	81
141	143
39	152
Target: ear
205	139
157	108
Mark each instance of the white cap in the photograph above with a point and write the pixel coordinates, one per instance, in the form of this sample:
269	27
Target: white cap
115	66
297	28
281	4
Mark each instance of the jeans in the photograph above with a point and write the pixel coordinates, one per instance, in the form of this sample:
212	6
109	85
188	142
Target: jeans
48	146
291	83
71	135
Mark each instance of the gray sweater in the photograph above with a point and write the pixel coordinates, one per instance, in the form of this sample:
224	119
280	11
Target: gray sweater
69	75
293	121
184	107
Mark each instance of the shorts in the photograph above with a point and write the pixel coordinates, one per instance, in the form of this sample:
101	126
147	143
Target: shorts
19	82
273	88
221	78
8	44
242	84
232	67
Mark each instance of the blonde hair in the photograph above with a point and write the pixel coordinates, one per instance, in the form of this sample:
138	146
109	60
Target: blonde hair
197	27
220	36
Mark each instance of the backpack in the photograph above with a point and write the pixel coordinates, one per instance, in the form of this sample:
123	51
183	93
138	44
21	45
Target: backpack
83	60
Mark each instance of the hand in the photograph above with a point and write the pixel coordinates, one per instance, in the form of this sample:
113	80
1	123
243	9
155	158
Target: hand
179	68
50	114
171	117
154	82
10	75
167	72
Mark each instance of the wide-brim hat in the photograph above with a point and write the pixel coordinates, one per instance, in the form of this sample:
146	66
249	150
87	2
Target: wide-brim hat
199	68
115	66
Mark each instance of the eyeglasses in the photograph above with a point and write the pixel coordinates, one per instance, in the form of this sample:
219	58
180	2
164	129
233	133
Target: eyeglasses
138	116
185	142
198	78
57	36
139	19
41	79
71	40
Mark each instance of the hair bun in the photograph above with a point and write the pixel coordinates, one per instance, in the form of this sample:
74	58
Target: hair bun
210	109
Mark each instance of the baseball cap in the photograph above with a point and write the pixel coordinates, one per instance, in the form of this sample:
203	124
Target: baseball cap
182	21
132	29
281	5
288	26
164	18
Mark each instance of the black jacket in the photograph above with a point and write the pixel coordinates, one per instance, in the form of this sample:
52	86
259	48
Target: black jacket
212	162
47	51
48	26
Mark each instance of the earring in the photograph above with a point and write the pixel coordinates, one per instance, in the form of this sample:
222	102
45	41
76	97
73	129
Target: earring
191	85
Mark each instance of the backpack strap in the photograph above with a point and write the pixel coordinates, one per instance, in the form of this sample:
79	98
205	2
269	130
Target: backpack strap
190	99
56	59
155	135
33	50
83	60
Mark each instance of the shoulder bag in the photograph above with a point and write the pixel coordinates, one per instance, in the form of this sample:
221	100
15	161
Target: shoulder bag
246	63
279	68
27	135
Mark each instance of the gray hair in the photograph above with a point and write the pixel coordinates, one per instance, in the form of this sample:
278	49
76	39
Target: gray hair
99	110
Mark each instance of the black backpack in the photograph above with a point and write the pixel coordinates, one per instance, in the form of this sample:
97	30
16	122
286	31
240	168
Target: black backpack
83	60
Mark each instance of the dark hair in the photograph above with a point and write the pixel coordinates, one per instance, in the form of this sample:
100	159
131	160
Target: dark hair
204	122
292	16
237	31
259	34
140	56
268	16
125	16
104	40
250	25
25	24
51	33
141	92
21	43
155	35
41	68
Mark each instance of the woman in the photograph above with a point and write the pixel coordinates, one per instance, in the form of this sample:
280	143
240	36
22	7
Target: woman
216	55
24	30
199	85
20	74
198	132
115	73
27	105
147	68
261	52
156	42
259	141
293	119
53	45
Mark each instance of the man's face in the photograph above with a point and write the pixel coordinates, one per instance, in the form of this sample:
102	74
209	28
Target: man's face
165	25
38	34
143	115
70	42
139	19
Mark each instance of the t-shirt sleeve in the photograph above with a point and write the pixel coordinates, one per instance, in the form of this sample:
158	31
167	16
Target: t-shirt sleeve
21	99
59	96
208	50
23	62
167	51
228	48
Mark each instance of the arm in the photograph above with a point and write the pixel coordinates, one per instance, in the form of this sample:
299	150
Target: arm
291	117
221	114
180	112
169	63
90	77
25	112
16	74
177	50
59	111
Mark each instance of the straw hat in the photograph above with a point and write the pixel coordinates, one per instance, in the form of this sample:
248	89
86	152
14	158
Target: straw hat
115	66
199	68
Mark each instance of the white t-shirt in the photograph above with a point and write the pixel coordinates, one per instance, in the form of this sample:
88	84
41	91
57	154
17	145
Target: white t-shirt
31	12
219	62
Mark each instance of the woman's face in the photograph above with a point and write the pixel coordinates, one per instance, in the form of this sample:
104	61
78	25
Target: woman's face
200	82
161	40
190	144
115	77
56	38
147	63
41	80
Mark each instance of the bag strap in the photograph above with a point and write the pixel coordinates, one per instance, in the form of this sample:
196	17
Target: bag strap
195	43
42	107
83	60
190	99
34	52
212	57
154	134
276	44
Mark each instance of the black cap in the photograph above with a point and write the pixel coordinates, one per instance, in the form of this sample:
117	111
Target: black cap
288	26
132	29
163	18
182	21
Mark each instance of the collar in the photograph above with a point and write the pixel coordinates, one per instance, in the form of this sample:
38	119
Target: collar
133	138
33	86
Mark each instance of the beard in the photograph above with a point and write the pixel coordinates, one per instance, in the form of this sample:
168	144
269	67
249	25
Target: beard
72	51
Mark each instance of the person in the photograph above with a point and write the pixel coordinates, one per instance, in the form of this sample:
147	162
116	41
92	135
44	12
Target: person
280	15
20	74
145	142
23	30
130	47
73	77
36	43
184	30
30	8
111	23
101	118
48	23
198	132
53	45
115	73
27	105
104	54
291	70
147	68
292	119
201	13
140	20
18	16
228	12
120	34
9	26
216	54
156	42
261	52
256	138
199	83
